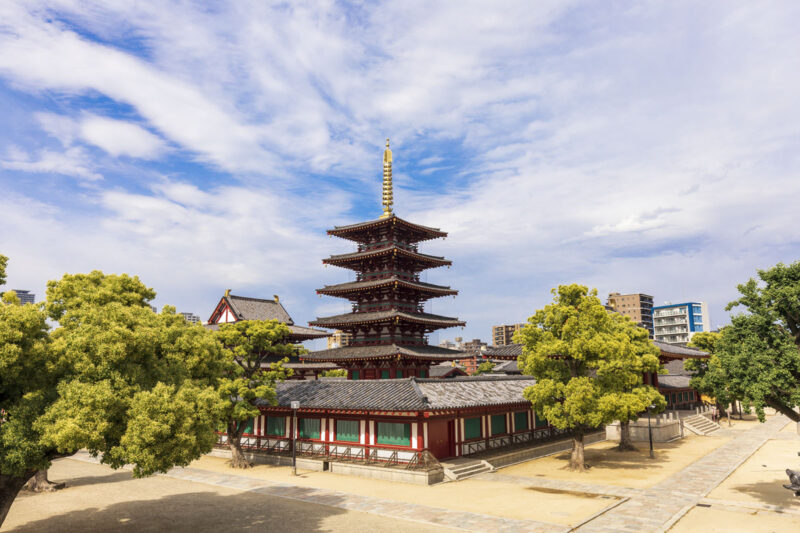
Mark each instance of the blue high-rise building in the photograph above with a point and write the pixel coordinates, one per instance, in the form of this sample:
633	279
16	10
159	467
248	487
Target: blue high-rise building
677	323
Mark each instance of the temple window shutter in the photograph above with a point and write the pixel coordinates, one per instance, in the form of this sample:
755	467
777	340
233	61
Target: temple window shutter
472	428
395	434
498	424
347	430
309	428
276	426
520	420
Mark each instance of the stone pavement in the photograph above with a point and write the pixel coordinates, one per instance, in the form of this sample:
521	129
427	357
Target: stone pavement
352	502
654	509
562	485
660	506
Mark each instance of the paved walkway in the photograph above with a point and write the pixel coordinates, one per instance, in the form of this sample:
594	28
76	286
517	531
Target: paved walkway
642	510
352	502
659	507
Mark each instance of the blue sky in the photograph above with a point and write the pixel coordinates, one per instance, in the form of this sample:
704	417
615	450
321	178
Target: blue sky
630	146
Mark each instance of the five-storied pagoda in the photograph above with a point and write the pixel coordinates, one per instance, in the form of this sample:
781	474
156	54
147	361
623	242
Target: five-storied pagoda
388	325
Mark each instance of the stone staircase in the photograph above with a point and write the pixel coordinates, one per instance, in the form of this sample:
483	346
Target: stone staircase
462	468
700	425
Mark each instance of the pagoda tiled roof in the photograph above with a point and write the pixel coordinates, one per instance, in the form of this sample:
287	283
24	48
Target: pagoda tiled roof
353	231
409	394
674	351
382	316
507	351
372	284
416	256
674	382
384	351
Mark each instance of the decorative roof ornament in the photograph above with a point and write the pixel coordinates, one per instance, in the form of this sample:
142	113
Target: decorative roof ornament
388	199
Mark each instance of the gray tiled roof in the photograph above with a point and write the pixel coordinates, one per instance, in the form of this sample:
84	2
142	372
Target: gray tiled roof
384	352
387	281
673	382
394	249
675	368
506	367
404	394
350	318
442	369
388	221
509	350
679	351
258	309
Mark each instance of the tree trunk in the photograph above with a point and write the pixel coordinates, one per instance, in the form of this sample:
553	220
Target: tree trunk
625	442
9	488
728	412
793	415
238	459
576	459
40	483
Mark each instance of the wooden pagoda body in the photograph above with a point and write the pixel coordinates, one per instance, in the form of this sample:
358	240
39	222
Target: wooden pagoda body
388	324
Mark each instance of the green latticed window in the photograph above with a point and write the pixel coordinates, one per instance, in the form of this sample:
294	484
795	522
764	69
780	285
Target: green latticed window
249	427
309	428
396	434
347	430
540	420
384	374
472	428
355	374
520	421
276	426
498	424
423	373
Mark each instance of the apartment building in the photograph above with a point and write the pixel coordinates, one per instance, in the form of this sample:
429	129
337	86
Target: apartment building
191	318
502	335
677	323
339	339
638	306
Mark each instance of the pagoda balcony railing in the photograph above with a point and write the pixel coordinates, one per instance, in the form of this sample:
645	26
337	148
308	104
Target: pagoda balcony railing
386	274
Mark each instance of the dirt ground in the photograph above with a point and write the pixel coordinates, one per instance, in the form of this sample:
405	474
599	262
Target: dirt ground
747	422
711	520
627	469
508	500
759	479
100	499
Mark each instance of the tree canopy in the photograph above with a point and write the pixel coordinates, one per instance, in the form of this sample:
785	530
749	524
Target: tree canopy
3	266
588	364
115	378
709	375
257	350
760	350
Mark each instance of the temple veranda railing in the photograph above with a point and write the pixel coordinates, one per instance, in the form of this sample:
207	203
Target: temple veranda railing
338	452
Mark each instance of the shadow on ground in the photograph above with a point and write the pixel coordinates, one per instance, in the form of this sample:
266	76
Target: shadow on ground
195	511
611	459
771	493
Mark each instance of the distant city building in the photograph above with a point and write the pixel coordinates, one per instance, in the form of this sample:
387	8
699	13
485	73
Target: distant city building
638	306
677	323
154	309
339	339
502	335
25	297
191	318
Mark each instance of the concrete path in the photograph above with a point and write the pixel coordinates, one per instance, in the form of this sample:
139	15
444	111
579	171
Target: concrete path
659	507
352	502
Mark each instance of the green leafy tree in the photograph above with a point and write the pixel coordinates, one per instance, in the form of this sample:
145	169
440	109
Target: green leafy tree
584	360
114	378
3	266
760	350
708	375
257	350
621	376
484	368
338	373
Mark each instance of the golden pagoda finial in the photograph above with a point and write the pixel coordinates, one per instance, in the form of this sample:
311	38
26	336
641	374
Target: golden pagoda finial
388	200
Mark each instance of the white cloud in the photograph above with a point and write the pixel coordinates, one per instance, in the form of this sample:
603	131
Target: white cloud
71	162
118	137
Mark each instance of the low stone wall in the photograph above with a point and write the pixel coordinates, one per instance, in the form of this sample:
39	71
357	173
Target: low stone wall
663	431
533	452
418	477
277	460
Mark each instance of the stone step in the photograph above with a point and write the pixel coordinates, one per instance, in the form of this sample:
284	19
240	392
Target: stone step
465	470
700	425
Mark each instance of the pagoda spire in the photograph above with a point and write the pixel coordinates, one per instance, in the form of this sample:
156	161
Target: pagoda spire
387	182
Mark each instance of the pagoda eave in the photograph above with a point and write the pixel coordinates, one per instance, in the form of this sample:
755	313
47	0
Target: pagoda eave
355	232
